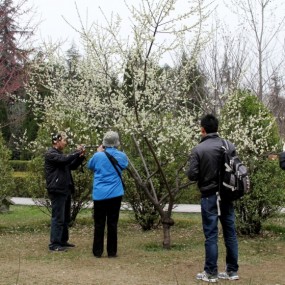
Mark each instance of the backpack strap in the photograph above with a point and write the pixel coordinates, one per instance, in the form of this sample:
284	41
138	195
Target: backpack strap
225	146
114	162
218	203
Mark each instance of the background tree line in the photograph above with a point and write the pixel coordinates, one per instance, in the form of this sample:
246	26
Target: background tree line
114	84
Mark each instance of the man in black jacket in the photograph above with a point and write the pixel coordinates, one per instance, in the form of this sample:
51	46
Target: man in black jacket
204	167
60	186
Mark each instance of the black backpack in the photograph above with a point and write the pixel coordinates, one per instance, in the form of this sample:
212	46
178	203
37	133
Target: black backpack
234	178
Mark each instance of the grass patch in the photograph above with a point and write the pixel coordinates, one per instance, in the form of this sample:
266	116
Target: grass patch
153	247
24	237
24	219
157	247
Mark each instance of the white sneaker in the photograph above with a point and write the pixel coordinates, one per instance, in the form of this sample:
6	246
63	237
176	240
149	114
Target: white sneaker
231	275
207	277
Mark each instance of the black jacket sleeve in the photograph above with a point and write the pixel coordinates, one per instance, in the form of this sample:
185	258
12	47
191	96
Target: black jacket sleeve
76	162
60	158
192	171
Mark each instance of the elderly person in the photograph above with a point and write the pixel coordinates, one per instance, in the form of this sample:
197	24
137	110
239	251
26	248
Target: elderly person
108	190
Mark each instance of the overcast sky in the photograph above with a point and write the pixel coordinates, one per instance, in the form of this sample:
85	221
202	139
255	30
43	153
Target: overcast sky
53	12
54	15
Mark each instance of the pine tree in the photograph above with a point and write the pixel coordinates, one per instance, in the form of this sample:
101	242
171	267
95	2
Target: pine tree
12	58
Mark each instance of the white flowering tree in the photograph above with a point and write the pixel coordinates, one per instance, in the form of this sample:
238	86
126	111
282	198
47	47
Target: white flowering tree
252	128
120	85
249	125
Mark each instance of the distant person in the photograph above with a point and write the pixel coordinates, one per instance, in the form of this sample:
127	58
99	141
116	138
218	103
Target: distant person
60	186
107	193
204	166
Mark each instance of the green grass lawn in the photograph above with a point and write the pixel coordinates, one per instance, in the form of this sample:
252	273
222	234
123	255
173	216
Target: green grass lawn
25	259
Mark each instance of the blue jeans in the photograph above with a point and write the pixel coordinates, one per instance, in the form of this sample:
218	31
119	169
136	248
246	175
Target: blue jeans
60	218
209	211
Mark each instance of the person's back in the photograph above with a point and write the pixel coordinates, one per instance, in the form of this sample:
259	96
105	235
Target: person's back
205	163
108	189
204	167
107	183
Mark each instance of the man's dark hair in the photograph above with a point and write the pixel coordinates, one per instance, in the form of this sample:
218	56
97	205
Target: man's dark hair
210	123
55	137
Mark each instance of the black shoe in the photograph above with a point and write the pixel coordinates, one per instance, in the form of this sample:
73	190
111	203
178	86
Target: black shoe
112	255
67	244
96	254
58	248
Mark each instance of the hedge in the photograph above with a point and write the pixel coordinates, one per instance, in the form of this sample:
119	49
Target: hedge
19	165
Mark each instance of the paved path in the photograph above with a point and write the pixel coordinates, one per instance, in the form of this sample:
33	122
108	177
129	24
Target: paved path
179	208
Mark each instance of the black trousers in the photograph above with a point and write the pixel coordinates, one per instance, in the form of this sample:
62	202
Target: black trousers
106	211
60	218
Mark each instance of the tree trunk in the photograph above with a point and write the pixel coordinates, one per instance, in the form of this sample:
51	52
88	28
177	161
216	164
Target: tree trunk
167	223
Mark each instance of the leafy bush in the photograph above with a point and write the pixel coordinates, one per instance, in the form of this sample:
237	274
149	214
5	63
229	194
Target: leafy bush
190	195
19	165
21	184
37	187
144	212
21	177
6	177
252	128
266	198
82	195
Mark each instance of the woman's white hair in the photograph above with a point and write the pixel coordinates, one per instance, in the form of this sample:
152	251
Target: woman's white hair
111	139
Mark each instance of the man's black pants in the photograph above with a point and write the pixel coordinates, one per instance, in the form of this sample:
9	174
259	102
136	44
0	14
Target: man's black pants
60	219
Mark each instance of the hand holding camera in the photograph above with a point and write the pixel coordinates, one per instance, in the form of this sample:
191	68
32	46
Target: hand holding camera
100	148
81	148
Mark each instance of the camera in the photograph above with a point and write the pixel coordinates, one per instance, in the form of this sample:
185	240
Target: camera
84	147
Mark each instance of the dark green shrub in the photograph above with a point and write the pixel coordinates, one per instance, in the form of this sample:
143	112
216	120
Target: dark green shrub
6	171
21	185
19	165
81	197
190	195
265	200
36	186
144	212
6	177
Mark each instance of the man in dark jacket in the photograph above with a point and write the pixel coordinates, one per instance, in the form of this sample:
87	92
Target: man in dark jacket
60	186
204	167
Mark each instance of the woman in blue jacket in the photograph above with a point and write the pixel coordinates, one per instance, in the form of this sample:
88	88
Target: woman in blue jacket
107	193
